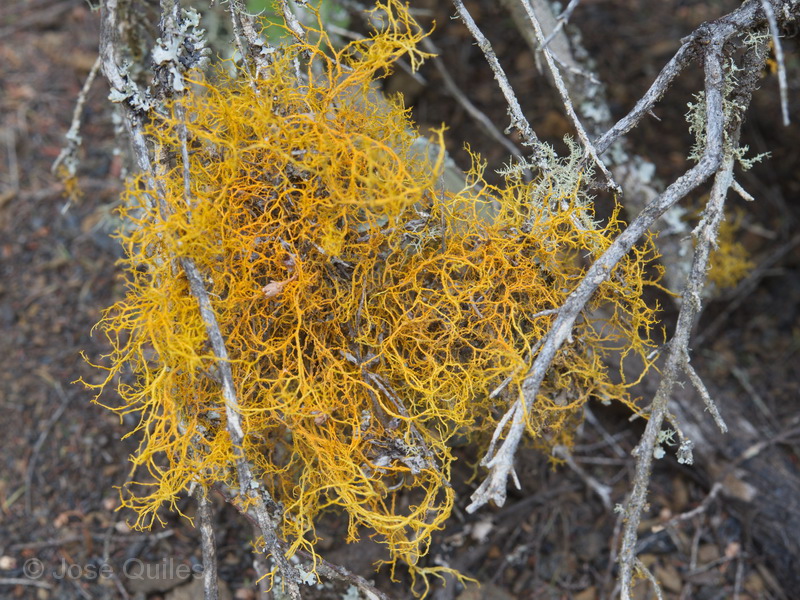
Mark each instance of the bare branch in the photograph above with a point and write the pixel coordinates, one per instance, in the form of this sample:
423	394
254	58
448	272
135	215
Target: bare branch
208	544
518	119
562	20
677	355
778	48
743	18
677	359
589	148
682	58
68	158
462	99
697	382
634	174
494	487
709	39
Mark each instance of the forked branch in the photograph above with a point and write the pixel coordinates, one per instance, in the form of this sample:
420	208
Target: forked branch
136	104
708	42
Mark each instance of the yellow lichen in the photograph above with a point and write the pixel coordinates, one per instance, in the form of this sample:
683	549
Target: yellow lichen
368	314
730	261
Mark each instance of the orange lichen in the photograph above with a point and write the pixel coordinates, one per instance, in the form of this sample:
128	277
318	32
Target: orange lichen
730	261
368	315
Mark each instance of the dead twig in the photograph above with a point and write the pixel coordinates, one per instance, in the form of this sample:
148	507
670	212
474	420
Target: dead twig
695	512
781	65
500	464
518	119
678	353
561	21
588	147
29	582
709	39
10	139
68	158
640	566
706	233
208	544
472	110
698	384
603	491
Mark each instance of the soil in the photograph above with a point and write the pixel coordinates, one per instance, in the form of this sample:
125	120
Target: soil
63	456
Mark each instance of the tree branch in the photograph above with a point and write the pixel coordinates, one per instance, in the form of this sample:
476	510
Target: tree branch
518	119
501	464
589	148
133	100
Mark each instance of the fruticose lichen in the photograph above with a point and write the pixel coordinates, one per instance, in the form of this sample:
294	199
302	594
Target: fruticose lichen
369	315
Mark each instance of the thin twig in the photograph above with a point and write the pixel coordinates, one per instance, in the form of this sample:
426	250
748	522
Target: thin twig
603	491
655	92
561	21
518	119
234	426
29	582
640	566
741	376
324	567
562	91
472	110
13	161
686	318
697	382
571	68
696	511
609	440
500	465
738	579
333	571
111	68
778	48
207	543
631	171
709	39
72	539
232	408
744	18
68	155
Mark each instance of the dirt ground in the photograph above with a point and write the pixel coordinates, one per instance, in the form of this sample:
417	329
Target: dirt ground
63	457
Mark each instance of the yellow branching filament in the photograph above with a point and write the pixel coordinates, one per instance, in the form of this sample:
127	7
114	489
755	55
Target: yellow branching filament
730	262
368	314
